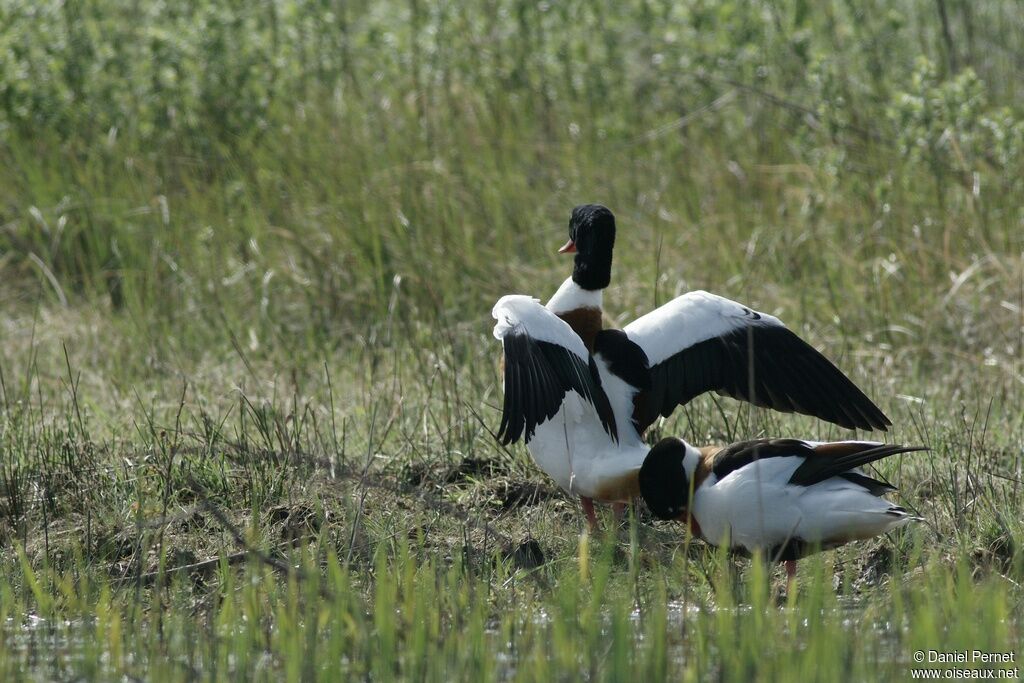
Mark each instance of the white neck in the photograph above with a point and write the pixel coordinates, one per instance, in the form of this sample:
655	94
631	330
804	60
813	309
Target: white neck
570	296
690	460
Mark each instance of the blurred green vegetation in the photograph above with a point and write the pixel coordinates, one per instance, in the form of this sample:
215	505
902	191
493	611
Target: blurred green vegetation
316	149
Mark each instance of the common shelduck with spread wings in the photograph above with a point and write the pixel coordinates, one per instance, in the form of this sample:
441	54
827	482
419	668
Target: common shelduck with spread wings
783	498
701	342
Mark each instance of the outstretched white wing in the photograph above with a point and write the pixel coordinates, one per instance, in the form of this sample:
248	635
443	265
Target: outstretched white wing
701	342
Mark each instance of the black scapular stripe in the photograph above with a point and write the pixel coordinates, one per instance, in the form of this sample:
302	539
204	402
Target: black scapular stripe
742	453
538	375
625	359
767	365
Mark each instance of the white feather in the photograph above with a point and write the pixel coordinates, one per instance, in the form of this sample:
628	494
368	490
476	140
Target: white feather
620	395
574	450
756	508
516	310
570	296
690	319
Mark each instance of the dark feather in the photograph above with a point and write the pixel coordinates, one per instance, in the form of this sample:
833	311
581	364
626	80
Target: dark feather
767	365
822	467
741	454
625	359
874	487
820	462
538	375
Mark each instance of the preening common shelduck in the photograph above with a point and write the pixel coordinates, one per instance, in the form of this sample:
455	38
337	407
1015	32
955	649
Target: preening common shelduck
702	342
782	498
695	343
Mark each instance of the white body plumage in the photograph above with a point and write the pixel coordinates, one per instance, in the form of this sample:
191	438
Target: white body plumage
756	508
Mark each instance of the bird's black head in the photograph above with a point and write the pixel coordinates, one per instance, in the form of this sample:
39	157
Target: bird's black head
592	238
664	484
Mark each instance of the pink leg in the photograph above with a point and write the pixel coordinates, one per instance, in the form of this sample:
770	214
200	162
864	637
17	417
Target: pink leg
588	507
790	573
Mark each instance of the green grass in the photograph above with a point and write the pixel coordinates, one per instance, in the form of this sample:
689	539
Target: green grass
247	259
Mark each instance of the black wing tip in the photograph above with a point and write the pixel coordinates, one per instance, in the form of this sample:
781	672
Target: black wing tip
870	423
896	449
874	418
506	433
910	449
875	452
852	408
815	470
883	424
871	416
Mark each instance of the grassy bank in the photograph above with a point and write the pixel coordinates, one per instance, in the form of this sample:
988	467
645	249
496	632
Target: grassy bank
247	258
